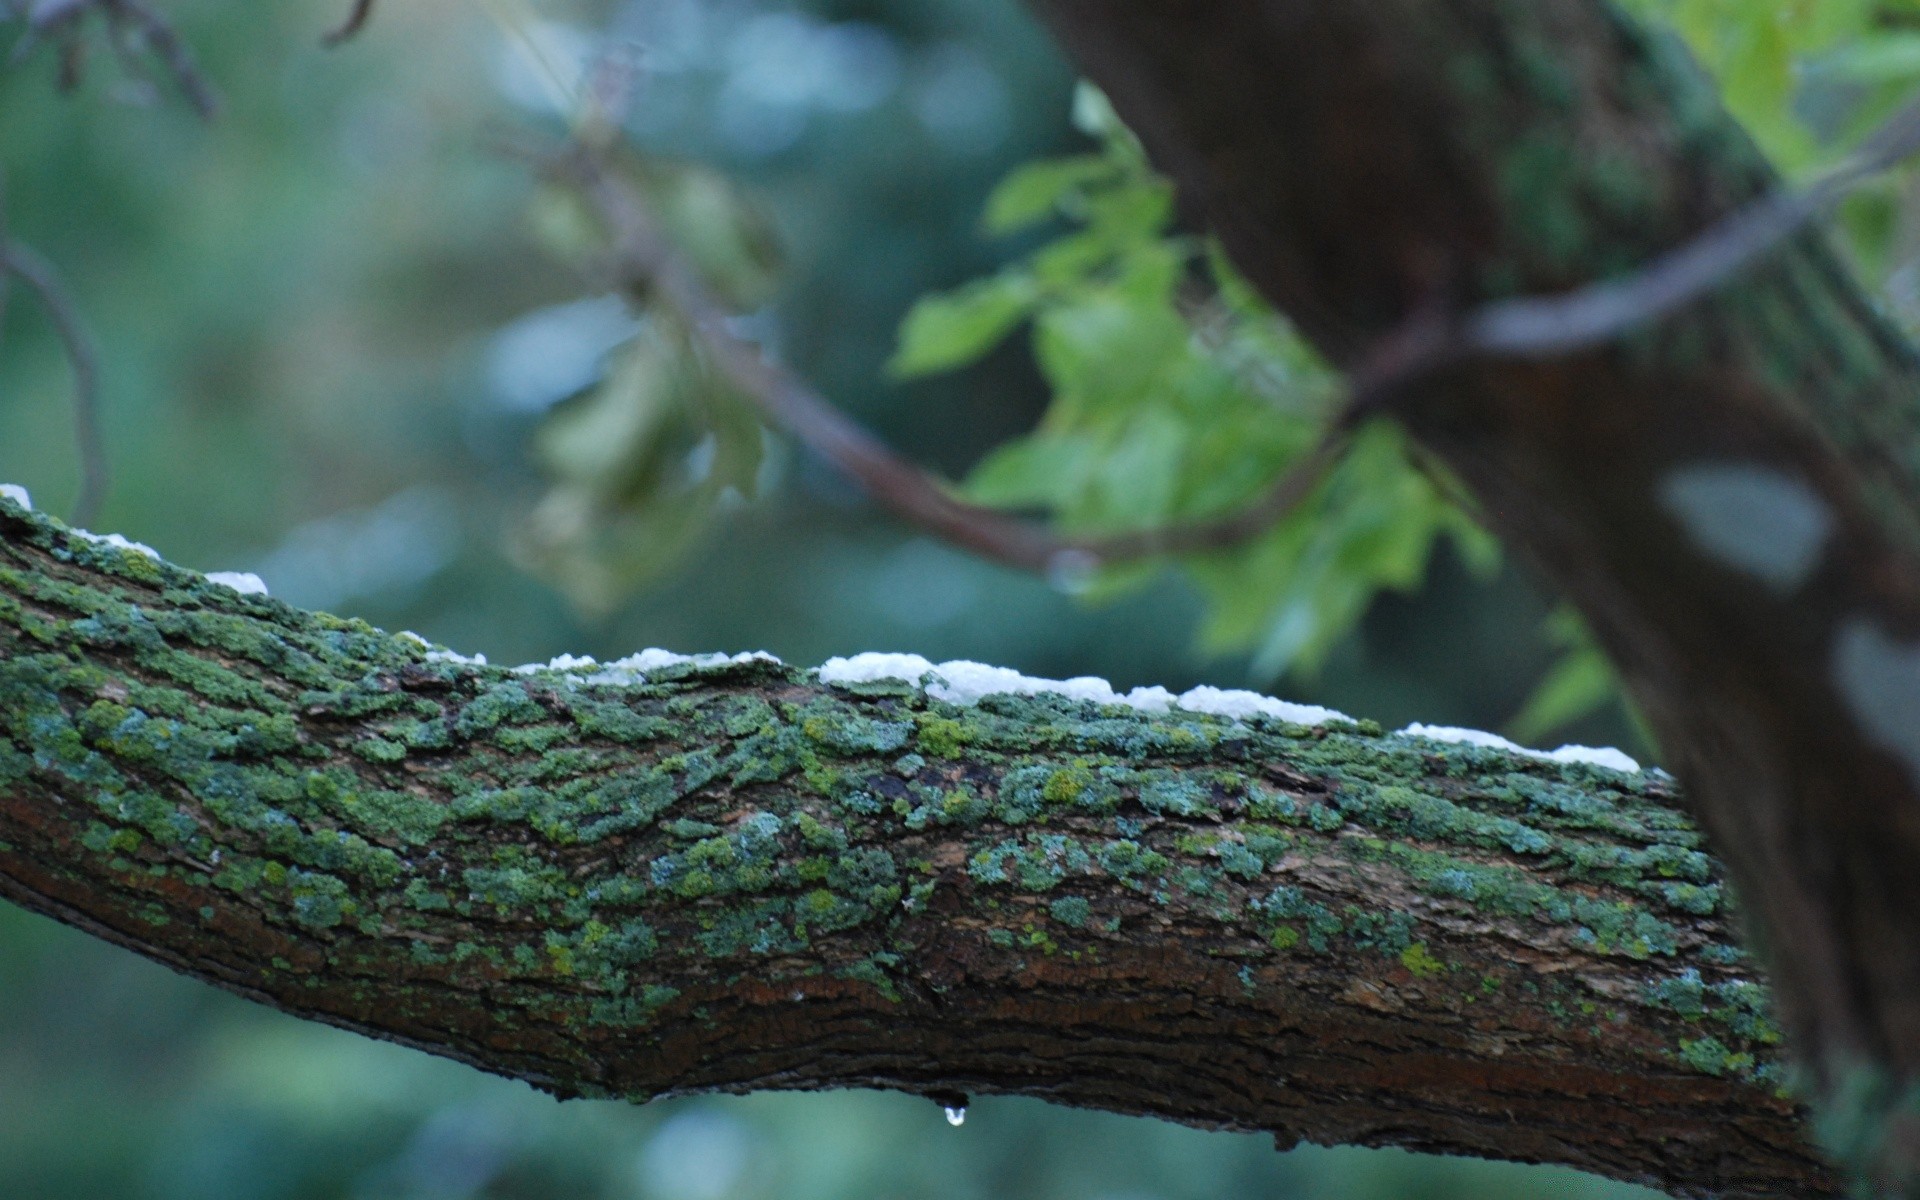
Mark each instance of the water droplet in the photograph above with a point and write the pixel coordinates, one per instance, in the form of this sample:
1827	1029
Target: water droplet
956	1116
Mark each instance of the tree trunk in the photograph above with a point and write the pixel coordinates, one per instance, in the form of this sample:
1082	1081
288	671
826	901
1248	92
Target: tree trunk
735	878
1728	497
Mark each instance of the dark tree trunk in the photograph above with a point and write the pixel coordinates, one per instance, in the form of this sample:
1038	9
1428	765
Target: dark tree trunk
735	878
1729	497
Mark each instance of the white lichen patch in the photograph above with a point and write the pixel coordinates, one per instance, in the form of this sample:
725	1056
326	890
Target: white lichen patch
963	682
1752	517
451	656
1598	756
119	543
244	582
636	667
17	494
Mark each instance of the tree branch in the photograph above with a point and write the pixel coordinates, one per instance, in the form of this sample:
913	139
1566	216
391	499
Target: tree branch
356	20
83	359
1730	497
60	21
645	266
734	878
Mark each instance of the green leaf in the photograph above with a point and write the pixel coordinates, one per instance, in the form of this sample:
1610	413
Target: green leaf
950	330
1043	469
1106	350
1036	191
1578	685
1887	58
1094	115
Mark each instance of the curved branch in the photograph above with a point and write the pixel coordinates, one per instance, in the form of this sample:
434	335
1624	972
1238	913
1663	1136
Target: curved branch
646	267
731	878
83	359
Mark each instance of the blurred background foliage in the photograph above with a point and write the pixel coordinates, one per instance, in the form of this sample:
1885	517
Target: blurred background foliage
350	343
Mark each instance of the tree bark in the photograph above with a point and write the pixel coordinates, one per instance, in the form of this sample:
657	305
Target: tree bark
735	878
1729	497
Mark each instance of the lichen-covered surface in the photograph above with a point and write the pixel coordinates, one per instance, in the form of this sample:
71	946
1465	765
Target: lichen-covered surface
735	878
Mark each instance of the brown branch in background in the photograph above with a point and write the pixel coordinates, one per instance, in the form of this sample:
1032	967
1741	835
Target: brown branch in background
60	21
17	261
6	277
1429	341
356	20
646	265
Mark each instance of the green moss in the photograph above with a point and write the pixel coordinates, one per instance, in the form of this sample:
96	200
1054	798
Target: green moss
1073	911
1174	794
850	735
1416	959
1131	862
1710	1057
941	737
618	723
320	901
1316	920
1037	863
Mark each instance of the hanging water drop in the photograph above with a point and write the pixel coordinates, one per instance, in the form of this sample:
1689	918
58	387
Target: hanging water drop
956	1116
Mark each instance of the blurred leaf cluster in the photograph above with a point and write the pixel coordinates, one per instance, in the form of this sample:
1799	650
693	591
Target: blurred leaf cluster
1177	394
641	462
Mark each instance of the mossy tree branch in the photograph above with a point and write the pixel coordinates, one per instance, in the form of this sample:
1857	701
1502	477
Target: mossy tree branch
735	879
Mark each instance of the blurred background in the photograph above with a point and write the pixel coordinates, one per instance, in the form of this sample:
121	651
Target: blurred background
348	342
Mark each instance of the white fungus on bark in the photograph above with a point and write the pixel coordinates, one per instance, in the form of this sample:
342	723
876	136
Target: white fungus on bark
634	668
962	682
244	582
1598	756
119	543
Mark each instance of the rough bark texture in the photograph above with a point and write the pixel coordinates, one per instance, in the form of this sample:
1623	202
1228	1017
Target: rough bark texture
1730	498
735	879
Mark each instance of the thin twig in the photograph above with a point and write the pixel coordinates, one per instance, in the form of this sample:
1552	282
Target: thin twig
60	20
6	276
356	20
644	263
172	50
1545	326
1427	342
39	277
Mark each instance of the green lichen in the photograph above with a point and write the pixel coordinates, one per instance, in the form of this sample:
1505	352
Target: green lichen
611	848
1418	960
1072	911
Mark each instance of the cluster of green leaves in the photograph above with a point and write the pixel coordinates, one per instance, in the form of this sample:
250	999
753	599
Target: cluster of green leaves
1178	395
